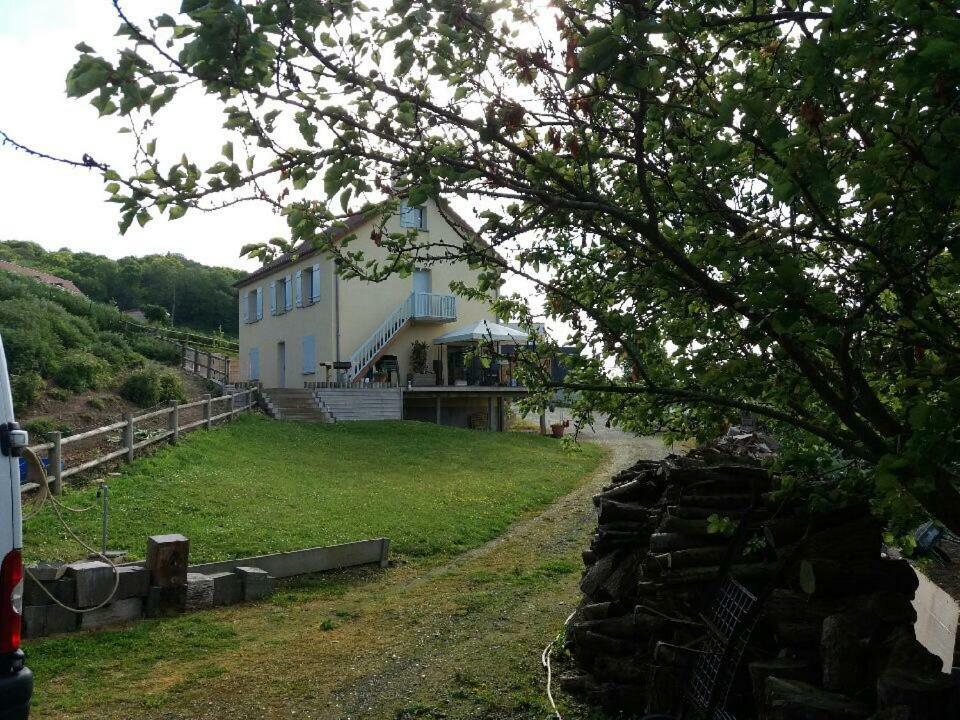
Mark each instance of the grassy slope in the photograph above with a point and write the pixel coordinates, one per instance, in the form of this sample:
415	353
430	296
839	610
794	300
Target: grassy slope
260	486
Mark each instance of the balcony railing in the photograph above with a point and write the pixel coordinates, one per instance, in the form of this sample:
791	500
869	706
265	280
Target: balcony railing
433	306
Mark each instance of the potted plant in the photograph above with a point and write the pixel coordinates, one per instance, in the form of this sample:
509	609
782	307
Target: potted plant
421	376
558	428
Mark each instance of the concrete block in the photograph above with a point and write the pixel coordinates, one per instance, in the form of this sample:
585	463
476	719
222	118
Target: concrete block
167	560
64	590
40	620
199	591
257	583
117	612
60	620
94	580
134	582
227	588
46	572
161	602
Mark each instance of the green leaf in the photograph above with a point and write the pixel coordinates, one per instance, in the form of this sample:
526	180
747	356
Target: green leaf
177	211
83	47
227	150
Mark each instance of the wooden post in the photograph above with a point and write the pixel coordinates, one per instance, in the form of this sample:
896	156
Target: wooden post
226	369
128	435
55	458
543	423
183	355
209	364
207	410
438	409
491	425
174	422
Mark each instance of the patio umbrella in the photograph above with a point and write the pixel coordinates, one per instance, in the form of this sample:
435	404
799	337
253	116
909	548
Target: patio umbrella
481	330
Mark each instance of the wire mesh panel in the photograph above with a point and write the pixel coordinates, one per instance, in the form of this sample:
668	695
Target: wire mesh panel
729	623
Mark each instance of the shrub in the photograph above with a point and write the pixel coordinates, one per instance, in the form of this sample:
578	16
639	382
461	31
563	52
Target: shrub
157	349
150	386
171	387
80	371
26	389
60	394
97	403
40	427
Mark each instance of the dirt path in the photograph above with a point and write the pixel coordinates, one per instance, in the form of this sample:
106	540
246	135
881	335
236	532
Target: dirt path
459	640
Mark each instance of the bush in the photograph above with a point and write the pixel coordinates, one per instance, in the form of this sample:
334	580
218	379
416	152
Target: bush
97	403
171	387
26	389
80	371
40	427
151	386
157	349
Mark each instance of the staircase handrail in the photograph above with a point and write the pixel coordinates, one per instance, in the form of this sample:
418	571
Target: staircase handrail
378	339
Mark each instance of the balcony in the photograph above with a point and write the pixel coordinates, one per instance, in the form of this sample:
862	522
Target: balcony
433	307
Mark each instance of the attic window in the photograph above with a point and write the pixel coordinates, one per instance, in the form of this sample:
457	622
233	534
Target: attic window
413	217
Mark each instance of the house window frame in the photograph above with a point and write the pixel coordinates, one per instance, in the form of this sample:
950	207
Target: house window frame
419	212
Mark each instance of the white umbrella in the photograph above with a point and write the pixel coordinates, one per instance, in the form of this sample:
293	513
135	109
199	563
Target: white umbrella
482	330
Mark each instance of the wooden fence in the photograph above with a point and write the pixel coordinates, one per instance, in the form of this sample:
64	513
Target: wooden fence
212	410
221	369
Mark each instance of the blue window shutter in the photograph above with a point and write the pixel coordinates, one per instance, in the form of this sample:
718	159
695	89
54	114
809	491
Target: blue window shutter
259	303
309	355
315	284
254	363
299	288
273	298
288	292
423	217
245	301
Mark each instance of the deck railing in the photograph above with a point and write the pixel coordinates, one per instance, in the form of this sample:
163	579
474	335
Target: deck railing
434	306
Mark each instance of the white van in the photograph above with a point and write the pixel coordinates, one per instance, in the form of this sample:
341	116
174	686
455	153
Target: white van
16	681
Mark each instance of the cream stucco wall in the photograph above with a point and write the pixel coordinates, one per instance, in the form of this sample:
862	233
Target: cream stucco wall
363	307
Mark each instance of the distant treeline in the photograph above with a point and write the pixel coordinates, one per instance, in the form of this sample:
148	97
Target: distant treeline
194	295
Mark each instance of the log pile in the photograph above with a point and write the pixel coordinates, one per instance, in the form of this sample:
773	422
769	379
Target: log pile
831	634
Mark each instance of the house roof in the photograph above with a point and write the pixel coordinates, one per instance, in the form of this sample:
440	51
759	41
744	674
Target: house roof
41	276
347	227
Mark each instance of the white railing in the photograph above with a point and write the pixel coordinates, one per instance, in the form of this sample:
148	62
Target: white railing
417	306
366	353
433	306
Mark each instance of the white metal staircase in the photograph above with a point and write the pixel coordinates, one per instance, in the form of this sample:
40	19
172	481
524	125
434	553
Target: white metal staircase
430	307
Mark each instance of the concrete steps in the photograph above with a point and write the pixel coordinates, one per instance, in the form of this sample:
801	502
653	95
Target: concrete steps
348	404
294	404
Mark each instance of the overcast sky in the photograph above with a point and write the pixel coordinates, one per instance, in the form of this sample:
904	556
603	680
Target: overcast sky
58	206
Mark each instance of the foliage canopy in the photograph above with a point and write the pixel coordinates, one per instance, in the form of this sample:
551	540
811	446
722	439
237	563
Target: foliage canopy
752	206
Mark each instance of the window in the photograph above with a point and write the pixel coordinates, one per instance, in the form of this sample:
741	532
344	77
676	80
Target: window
308	285
288	293
309	355
281	296
413	217
253	305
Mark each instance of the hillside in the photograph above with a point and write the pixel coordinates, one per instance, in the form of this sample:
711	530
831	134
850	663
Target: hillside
195	295
67	353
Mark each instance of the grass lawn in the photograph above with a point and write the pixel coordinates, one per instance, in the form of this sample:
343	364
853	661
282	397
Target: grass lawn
260	486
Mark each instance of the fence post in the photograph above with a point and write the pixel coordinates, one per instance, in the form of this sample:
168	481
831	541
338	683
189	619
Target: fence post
55	463
208	409
183	355
226	369
174	422
128	435
209	364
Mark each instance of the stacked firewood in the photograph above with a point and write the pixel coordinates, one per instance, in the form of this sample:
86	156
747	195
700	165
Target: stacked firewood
831	630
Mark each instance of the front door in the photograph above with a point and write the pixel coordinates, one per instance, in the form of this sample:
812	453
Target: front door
281	364
421	281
